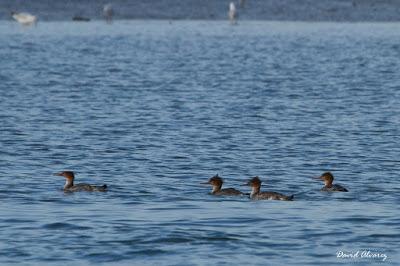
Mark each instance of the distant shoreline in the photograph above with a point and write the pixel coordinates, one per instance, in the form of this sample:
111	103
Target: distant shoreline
263	10
213	20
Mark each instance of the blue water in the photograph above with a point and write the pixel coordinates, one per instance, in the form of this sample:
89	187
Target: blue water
153	108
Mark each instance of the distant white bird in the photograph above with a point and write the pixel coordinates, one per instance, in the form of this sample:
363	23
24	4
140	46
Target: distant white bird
108	12
232	13
24	18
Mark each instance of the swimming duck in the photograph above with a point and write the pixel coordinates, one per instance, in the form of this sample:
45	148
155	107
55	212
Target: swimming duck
71	187
217	190
327	177
80	18
255	184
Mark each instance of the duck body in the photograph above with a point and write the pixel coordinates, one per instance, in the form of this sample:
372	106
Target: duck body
334	188
85	187
270	196
256	194
227	192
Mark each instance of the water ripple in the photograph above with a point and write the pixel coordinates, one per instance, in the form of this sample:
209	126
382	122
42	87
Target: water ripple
152	109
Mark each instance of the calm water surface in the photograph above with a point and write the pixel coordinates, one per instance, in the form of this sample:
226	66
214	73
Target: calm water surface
153	108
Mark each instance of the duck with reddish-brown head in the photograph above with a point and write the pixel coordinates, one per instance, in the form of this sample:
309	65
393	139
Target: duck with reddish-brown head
71	187
216	183
256	194
327	177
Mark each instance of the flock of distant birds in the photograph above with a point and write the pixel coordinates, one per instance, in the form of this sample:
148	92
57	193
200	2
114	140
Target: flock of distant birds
27	19
217	190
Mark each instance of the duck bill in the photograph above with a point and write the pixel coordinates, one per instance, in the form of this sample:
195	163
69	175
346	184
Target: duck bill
204	183
58	174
